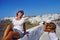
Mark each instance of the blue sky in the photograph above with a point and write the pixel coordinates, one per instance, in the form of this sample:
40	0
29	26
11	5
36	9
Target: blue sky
9	8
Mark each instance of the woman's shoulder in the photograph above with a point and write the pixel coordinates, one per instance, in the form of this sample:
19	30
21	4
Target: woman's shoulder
24	19
13	19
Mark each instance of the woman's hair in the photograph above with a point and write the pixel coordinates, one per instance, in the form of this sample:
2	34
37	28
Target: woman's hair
21	12
43	22
47	24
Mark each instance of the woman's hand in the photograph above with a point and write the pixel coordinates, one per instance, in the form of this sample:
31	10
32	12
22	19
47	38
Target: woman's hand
27	35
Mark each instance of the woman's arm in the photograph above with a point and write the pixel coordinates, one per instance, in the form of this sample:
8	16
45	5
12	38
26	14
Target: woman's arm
24	28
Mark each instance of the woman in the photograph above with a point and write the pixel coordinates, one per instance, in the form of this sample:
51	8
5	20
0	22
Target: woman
44	36
19	29
9	33
19	23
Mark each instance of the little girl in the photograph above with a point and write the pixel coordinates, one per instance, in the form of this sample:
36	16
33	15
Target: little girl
51	29
52	33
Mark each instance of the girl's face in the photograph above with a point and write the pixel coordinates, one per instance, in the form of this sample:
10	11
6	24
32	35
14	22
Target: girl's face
19	15
48	27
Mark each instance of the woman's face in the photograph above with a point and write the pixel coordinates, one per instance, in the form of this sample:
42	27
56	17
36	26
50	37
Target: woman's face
19	14
45	23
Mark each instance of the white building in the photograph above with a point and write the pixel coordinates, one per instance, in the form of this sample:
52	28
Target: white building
39	18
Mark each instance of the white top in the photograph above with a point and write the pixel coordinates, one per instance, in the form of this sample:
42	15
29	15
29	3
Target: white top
52	36
18	24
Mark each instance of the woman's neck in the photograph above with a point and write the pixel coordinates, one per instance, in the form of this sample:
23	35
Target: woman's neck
18	18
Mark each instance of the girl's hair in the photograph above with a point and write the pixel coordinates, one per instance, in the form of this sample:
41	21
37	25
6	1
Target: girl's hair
53	26
21	12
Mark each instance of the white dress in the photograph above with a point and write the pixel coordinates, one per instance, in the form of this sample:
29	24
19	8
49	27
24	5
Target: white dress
48	36
52	36
18	25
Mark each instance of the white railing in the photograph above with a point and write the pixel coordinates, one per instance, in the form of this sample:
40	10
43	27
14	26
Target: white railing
34	33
